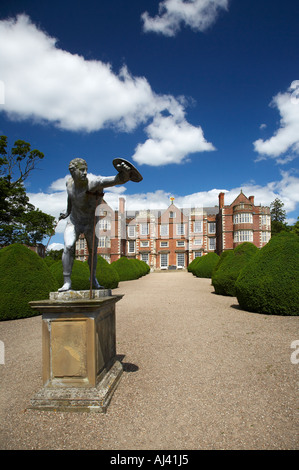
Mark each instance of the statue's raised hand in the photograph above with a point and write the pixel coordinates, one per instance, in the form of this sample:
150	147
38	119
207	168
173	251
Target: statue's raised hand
63	215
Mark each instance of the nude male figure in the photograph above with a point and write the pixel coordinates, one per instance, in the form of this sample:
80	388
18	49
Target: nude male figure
83	197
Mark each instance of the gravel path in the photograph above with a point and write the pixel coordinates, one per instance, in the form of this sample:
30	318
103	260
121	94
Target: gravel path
199	373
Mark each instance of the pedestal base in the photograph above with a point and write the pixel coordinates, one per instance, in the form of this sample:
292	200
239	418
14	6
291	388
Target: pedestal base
80	366
91	399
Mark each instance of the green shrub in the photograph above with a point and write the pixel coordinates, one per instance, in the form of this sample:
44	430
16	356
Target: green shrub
228	269
206	265
193	264
221	260
106	274
24	277
142	267
126	268
146	268
80	274
49	261
269	282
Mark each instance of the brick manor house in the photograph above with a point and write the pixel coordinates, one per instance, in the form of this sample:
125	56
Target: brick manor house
172	238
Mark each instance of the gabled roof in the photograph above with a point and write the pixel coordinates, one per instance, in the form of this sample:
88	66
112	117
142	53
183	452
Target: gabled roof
241	198
181	213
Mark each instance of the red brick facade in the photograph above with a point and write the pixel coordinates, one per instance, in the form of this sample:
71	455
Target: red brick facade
242	221
172	238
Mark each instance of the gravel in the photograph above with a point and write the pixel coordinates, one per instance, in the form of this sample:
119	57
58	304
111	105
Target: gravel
199	373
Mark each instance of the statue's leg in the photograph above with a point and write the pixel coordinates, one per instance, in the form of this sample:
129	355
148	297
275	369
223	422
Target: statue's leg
68	256
93	253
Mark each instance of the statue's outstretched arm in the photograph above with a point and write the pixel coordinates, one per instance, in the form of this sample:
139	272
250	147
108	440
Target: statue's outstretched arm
126	172
107	181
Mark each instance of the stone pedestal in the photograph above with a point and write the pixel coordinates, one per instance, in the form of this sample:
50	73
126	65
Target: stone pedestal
80	369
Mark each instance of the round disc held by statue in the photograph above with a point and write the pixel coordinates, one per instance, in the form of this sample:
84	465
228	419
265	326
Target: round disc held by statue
121	164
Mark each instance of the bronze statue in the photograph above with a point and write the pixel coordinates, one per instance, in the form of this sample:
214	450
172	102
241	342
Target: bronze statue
83	198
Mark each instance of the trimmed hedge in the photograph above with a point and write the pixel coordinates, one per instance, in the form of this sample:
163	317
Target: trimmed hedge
80	274
229	267
106	274
49	261
193	264
206	265
24	277
269	282
142	267
224	254
130	269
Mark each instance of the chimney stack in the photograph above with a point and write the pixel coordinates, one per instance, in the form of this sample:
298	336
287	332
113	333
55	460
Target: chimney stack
221	200
121	205
251	199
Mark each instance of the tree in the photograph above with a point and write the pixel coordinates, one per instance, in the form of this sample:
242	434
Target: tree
21	156
295	228
21	222
278	216
277	211
52	256
55	255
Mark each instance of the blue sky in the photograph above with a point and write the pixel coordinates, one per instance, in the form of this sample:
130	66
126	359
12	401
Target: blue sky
202	96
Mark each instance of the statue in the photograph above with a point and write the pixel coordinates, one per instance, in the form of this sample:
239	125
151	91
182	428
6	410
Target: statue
83	198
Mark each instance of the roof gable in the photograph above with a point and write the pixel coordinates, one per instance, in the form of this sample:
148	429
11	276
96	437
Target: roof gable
172	212
241	198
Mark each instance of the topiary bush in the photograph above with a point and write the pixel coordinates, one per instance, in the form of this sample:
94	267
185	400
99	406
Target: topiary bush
24	277
126	268
80	274
142	267
193	264
106	274
206	265
228	269
49	261
221	259
146	268
269	282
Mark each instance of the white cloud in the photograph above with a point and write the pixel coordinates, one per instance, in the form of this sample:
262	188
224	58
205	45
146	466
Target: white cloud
198	14
48	84
60	184
170	141
55	246
283	146
51	203
288	189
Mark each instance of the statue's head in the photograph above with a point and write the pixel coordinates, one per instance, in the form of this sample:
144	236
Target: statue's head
78	169
77	163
